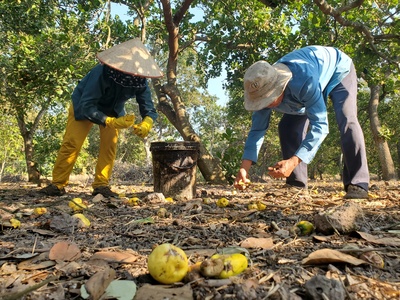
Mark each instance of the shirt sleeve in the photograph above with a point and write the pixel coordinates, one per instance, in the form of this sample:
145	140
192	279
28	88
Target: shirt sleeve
255	138
317	114
146	105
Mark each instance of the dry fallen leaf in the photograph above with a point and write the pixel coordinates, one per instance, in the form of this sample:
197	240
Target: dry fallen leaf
388	241
373	258
328	256
98	283
36	263
68	267
263	243
43	232
124	257
65	251
158	292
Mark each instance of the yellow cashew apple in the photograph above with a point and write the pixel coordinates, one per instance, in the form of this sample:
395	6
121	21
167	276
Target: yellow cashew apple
233	264
167	263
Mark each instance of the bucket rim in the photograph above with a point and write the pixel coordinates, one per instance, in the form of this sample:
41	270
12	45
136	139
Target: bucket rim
181	145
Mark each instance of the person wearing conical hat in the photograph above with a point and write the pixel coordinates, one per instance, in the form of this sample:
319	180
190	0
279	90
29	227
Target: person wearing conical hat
298	85
99	98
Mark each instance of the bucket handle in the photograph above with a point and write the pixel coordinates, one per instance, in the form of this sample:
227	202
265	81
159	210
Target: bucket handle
180	168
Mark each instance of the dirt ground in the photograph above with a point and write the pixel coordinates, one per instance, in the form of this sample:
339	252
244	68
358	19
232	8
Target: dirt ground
122	233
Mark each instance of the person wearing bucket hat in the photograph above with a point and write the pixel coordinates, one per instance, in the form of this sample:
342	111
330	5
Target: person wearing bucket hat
99	98
298	86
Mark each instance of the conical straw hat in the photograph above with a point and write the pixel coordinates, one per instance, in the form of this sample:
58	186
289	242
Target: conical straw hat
131	57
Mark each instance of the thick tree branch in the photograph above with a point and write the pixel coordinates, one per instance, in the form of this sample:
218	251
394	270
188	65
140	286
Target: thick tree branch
182	11
350	6
173	31
141	15
336	14
385	37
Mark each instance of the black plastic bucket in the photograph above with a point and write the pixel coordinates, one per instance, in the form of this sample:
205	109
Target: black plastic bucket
174	168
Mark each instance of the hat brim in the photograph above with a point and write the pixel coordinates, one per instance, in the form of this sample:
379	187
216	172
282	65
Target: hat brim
131	57
254	102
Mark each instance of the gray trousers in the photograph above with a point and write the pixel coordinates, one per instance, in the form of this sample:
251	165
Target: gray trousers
293	128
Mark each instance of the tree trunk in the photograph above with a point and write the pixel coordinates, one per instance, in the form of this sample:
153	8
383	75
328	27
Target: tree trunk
209	166
27	135
385	158
398	159
31	166
148	153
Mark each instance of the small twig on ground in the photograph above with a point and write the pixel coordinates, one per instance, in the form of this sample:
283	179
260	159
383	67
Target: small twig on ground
34	244
295	239
19	295
345	289
386	227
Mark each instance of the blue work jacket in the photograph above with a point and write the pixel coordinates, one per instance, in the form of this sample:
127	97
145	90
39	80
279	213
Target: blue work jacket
97	97
316	71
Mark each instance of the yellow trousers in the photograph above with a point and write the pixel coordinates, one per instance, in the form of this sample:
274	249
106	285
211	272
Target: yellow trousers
75	134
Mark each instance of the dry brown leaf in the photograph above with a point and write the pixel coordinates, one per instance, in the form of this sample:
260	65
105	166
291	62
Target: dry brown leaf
373	258
322	238
97	284
193	240
194	206
388	241
65	251
18	256
327	256
50	292
7	269
27	265
263	243
157	292
354	285
68	267
96	264
36	263
124	257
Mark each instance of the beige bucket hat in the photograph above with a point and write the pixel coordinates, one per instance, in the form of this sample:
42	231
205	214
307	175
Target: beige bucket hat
264	83
131	57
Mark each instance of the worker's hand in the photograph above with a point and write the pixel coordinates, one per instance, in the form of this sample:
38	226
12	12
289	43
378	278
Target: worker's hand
121	122
284	168
142	129
242	179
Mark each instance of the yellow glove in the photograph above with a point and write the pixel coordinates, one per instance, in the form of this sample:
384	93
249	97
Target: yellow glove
121	122
142	129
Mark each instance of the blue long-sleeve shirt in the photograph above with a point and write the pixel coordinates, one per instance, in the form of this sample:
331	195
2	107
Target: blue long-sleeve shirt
97	97
316	71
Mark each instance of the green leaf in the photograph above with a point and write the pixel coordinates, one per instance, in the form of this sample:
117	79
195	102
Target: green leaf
121	290
148	220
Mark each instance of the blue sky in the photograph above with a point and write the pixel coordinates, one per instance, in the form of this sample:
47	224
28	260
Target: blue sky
214	85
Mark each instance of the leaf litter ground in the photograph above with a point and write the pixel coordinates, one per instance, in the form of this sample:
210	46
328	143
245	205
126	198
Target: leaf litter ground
121	237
